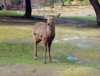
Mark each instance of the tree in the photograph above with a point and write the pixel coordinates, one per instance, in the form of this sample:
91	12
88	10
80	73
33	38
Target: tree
69	2
96	7
28	8
5	5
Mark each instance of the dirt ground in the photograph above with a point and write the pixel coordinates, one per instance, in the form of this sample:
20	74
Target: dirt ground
27	70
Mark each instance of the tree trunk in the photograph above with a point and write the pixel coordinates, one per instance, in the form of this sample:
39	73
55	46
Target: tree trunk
28	9
96	7
62	3
5	5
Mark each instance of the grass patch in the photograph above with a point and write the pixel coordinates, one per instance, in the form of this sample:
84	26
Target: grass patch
18	43
79	18
14	33
10	13
16	46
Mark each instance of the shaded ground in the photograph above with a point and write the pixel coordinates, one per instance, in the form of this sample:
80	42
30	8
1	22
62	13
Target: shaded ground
16	50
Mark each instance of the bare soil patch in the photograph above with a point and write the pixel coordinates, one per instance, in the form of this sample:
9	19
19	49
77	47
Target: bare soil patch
27	70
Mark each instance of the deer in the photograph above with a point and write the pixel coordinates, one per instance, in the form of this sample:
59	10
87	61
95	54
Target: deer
44	32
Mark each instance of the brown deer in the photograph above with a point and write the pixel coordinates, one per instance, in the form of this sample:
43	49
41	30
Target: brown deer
44	32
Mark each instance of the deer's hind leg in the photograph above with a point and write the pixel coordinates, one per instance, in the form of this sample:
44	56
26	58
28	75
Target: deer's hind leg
36	41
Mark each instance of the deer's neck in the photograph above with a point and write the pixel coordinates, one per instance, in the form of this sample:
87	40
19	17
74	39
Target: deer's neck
50	30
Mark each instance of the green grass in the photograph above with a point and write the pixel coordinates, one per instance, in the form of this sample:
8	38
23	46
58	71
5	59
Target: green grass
17	44
17	47
10	13
79	18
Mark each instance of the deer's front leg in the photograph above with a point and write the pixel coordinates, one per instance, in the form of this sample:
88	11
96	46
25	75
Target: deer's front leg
49	49
45	50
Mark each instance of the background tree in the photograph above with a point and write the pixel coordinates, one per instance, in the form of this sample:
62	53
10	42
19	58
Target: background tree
69	2
28	8
96	7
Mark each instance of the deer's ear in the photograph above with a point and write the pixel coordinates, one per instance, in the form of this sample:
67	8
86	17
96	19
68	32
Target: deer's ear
57	15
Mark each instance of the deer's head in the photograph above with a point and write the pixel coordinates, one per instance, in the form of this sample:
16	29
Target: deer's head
51	19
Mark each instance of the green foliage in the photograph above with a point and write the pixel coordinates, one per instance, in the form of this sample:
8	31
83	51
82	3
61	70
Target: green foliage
81	0
63	0
80	18
85	0
16	1
69	2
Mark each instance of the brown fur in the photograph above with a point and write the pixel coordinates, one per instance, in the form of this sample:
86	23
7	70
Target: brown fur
44	32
